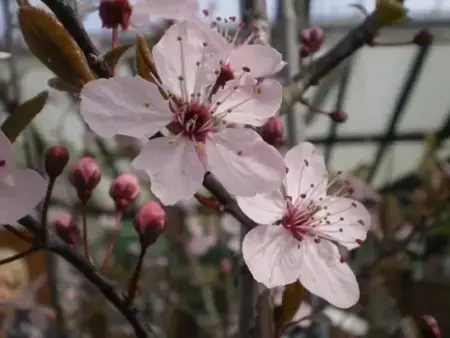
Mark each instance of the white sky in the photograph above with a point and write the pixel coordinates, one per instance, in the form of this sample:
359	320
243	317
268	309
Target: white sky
320	9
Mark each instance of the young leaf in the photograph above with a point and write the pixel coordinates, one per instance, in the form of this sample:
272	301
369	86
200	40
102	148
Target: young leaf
53	46
144	60
113	56
292	298
23	115
390	11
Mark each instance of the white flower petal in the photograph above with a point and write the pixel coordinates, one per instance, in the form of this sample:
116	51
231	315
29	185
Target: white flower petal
20	193
243	162
263	208
323	274
128	106
173	166
306	167
348	220
174	58
272	255
262	60
5	152
4	55
249	104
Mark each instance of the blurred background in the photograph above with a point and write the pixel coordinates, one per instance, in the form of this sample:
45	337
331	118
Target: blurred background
394	145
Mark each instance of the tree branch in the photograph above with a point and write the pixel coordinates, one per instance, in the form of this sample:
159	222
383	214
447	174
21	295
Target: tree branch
68	17
351	43
58	247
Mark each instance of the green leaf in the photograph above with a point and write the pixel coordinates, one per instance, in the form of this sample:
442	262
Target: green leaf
292	298
113	56
23	115
390	11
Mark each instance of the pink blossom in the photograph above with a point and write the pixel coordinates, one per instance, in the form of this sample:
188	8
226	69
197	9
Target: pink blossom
197	118
238	51
304	230
21	190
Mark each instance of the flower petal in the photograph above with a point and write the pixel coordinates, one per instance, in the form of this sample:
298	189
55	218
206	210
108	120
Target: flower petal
323	274
20	193
272	255
306	167
168	9
249	104
263	208
175	58
262	60
5	152
128	106
348	221
243	162
173	166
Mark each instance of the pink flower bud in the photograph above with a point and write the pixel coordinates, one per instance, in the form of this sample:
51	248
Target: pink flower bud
55	160
124	190
338	116
273	131
66	228
429	327
225	266
311	40
423	38
115	13
85	176
149	222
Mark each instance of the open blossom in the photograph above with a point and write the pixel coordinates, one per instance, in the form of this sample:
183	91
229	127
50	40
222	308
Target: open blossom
304	231
238	51
21	190
200	140
114	13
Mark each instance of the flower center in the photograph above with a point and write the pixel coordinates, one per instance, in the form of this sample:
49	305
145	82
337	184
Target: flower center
2	163
193	120
299	219
114	13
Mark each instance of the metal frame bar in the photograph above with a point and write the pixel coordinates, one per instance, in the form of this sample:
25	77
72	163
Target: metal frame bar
340	101
399	109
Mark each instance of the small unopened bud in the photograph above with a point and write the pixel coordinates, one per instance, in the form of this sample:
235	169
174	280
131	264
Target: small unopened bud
225	266
85	176
55	160
115	13
149	222
338	116
124	190
429	327
311	40
66	228
423	38
273	131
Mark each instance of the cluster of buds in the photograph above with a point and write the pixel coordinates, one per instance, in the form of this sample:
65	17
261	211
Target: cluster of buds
149	222
311	40
124	190
84	177
55	160
273	132
115	13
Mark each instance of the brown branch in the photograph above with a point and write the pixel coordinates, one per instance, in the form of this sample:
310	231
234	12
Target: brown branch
58	247
19	255
352	42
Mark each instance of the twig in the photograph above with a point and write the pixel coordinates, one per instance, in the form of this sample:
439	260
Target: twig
19	255
58	247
